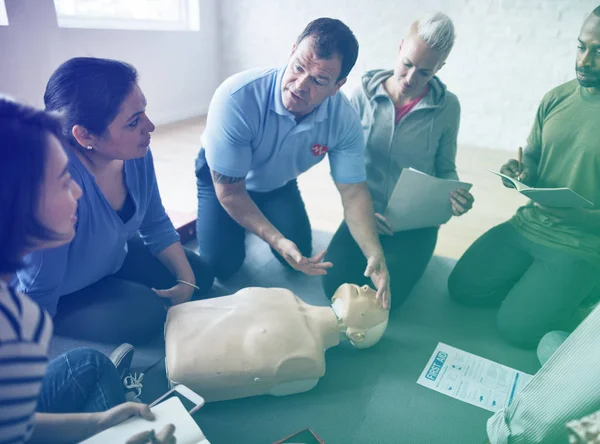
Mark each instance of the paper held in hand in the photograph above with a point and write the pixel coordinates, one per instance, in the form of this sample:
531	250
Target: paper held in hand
549	197
167	412
420	200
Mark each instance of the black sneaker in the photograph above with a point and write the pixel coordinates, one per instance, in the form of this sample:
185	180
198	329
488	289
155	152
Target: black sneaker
122	357
132	383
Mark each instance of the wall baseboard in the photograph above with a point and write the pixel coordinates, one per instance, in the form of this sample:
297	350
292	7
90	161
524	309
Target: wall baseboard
172	116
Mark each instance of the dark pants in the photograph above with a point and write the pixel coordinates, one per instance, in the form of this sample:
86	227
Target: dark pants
407	254
123	307
221	240
81	380
538	289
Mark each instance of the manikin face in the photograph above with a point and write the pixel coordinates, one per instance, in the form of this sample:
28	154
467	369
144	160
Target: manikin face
588	54
362	314
308	80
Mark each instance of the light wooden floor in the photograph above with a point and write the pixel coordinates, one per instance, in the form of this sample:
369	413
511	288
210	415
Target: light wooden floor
175	147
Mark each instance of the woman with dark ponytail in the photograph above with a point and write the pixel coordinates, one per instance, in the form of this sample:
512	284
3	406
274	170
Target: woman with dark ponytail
125	263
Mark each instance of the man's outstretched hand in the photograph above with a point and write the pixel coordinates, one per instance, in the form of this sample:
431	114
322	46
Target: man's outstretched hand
312	266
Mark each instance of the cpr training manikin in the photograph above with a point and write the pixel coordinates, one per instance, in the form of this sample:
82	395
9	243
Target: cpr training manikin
265	340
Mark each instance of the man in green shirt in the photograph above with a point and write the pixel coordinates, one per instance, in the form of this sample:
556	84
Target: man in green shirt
542	264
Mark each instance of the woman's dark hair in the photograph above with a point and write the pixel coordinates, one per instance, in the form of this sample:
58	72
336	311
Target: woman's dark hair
24	133
332	37
88	91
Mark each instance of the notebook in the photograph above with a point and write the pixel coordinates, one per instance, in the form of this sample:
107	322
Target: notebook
420	200
170	411
550	197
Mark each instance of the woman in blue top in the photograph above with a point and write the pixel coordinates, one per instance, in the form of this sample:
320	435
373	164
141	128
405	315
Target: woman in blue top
81	392
109	284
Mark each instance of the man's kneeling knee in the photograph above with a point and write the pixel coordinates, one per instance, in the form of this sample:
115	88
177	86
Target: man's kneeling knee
224	269
459	289
517	333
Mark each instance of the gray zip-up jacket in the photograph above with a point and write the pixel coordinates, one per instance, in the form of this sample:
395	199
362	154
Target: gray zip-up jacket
425	139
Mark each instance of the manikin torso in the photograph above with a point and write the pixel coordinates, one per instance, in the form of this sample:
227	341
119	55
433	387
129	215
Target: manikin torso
261	340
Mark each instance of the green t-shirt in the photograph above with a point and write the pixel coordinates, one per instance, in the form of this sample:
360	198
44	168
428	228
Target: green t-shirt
564	149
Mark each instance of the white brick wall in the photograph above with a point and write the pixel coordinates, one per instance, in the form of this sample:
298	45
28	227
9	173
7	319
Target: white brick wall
508	53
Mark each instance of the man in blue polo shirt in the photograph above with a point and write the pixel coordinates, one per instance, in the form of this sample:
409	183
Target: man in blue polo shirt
265	128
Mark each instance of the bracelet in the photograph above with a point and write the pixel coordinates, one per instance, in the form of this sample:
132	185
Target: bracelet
187	283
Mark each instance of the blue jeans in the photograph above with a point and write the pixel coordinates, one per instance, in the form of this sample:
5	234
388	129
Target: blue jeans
221	240
81	380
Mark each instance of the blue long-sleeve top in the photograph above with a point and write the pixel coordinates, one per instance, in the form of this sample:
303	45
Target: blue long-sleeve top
100	242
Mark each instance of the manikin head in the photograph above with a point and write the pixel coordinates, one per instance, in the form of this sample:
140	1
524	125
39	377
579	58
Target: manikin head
363	316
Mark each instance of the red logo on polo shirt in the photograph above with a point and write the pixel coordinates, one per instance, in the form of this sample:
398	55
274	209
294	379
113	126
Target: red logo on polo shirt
319	150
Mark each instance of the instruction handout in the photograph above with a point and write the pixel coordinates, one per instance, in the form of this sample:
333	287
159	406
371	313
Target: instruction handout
170	411
472	379
420	200
550	197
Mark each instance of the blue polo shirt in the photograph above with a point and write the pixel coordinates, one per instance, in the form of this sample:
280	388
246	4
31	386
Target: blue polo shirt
249	133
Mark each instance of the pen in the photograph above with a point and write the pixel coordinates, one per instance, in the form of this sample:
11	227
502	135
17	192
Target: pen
519	161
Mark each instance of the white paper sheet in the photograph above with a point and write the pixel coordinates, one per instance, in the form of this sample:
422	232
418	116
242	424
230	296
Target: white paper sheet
472	379
170	411
420	200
